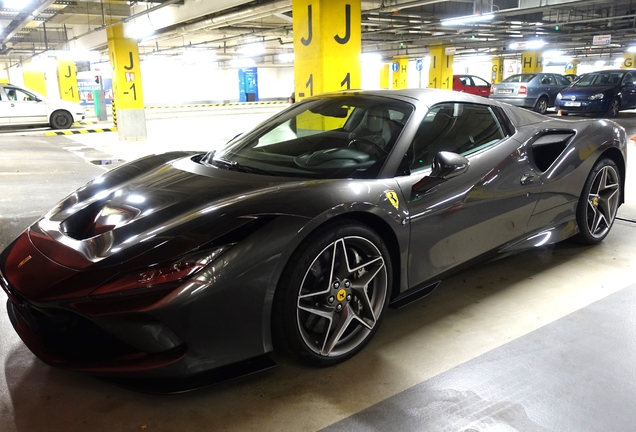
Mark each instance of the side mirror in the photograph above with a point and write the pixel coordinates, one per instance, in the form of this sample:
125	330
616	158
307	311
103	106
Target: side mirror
446	165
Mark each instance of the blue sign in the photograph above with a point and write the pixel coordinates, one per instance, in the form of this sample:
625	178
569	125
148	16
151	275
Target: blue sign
419	65
395	66
569	66
248	85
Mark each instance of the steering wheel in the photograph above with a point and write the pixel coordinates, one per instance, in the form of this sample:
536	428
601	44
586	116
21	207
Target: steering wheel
363	140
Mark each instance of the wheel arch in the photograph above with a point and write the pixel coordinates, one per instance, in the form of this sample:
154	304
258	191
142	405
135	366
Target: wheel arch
386	233
617	157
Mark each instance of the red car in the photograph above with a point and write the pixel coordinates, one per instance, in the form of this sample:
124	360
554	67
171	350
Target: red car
471	84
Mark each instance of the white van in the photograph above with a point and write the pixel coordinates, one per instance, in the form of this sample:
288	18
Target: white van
26	107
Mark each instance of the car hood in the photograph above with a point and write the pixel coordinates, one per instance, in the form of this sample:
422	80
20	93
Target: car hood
144	205
575	90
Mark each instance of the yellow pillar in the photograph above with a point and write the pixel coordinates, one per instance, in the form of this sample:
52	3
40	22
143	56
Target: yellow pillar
531	61
400	69
327	46
67	80
384	76
629	60
127	90
571	67
440	71
35	81
497	70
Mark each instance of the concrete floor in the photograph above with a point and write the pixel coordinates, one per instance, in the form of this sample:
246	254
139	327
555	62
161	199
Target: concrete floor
542	341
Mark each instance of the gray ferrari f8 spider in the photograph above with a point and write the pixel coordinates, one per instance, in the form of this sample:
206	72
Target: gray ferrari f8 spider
185	268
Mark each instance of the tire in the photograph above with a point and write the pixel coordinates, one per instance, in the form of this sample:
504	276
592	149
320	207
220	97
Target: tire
542	105
614	107
596	211
333	294
61	119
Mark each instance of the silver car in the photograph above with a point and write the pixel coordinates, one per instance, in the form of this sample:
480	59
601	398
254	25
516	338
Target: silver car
536	91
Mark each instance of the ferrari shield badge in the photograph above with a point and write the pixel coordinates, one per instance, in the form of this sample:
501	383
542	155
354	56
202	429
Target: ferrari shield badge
393	198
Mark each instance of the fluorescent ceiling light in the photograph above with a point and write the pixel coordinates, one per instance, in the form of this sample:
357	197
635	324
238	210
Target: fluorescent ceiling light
370	58
535	44
252	50
242	62
15	4
286	57
631	49
599	63
467	19
552	54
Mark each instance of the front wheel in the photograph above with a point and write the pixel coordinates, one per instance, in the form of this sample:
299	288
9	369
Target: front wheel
333	294
599	202
614	107
61	120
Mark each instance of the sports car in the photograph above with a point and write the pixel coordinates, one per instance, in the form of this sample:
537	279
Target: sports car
184	268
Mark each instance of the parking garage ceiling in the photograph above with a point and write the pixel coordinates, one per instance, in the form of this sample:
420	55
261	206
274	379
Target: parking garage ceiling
389	27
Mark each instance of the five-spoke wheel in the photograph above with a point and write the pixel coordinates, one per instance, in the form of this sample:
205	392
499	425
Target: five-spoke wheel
600	200
333	294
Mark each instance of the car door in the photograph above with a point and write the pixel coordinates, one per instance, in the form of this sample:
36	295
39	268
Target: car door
482	87
549	86
26	108
5	109
480	210
628	90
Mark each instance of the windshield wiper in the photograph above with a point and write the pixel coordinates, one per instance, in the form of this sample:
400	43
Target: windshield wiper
235	166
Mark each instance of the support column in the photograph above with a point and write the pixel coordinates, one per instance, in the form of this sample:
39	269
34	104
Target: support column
531	61
385	72
440	71
67	80
127	91
35	80
497	70
327	46
571	67
400	68
629	60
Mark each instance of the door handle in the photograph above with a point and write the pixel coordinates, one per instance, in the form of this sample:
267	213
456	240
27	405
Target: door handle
527	178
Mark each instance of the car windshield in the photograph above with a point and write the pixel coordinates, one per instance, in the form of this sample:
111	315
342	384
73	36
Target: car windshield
521	78
600	78
346	136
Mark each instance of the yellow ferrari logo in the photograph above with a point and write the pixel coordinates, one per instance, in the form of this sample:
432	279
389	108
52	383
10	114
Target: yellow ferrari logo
342	294
393	198
595	201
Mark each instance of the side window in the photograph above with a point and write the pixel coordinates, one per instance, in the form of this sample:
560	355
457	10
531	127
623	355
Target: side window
19	95
547	80
465	81
562	80
629	78
456	127
480	82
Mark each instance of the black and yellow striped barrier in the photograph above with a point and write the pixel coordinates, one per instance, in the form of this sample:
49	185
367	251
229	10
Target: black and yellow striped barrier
219	105
80	131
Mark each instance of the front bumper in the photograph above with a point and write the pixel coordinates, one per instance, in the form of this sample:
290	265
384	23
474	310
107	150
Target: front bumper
586	106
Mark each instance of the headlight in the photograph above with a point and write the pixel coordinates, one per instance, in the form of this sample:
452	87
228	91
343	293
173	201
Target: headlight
596	96
559	96
161	275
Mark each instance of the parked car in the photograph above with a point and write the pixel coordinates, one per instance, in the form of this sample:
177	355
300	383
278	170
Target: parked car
298	235
471	84
536	91
604	92
20	107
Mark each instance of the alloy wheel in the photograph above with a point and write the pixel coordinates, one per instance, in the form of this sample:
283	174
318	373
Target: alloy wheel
341	296
602	202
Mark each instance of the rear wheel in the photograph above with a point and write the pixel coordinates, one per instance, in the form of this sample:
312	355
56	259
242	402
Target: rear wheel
332	295
599	202
542	105
61	120
614	107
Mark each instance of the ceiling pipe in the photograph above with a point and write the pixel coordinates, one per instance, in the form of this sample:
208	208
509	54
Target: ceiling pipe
26	20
